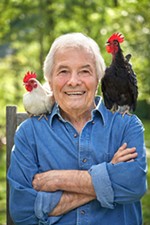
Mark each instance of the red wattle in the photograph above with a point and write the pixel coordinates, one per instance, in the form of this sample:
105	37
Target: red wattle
28	88
108	49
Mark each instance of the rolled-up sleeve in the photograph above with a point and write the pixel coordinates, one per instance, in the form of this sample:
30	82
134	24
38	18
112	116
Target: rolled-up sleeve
45	203
102	185
128	182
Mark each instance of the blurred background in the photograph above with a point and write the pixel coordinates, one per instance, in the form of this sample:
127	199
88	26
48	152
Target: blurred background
27	29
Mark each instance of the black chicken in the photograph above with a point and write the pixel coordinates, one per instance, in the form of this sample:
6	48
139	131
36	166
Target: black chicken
119	84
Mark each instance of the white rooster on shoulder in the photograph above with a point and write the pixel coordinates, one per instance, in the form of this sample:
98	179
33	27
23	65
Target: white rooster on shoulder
38	101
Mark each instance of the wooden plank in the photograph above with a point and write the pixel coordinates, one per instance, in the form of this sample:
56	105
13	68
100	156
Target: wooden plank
11	125
13	119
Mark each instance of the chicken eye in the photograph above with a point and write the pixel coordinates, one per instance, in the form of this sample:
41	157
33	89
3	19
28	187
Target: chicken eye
33	83
115	42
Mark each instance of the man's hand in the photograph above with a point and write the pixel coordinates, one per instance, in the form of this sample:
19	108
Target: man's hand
124	154
47	181
77	181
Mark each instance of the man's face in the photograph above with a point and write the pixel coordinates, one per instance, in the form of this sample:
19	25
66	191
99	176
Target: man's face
74	80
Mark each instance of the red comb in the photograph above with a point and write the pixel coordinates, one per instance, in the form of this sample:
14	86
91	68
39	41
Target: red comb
116	36
28	76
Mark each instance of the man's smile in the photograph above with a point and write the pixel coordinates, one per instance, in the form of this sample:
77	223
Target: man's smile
70	93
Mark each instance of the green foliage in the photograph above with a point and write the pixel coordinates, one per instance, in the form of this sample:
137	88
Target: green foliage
147	135
143	109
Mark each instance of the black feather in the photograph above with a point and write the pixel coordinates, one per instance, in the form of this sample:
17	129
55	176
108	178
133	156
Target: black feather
119	84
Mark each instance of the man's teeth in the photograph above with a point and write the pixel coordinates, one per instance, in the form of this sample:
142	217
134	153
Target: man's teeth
75	93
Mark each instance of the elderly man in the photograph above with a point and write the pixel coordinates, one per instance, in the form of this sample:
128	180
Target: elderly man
84	165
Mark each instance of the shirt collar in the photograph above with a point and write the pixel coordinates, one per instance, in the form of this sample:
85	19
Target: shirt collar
100	108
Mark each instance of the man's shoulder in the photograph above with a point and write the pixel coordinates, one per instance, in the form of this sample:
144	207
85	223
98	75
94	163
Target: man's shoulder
34	122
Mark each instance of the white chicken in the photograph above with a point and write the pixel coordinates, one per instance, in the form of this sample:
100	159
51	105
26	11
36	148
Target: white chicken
38	101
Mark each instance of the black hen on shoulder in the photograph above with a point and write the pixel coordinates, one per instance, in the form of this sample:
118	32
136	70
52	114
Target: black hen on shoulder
119	84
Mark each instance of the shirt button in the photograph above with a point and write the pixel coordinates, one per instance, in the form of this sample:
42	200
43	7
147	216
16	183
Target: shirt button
93	122
75	135
84	160
82	212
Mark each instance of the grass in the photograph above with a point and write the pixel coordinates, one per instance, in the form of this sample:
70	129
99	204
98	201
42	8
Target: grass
145	199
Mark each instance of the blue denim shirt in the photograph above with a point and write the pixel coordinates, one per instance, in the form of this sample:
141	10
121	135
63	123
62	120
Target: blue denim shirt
42	145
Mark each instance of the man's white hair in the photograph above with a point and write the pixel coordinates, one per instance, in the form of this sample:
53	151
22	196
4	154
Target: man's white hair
74	40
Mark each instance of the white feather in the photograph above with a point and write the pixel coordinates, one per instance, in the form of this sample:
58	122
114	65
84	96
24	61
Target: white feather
38	101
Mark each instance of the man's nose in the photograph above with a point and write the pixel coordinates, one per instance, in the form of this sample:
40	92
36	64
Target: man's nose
74	79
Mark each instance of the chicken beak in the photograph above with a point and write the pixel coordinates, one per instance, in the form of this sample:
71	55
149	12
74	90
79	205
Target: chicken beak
107	43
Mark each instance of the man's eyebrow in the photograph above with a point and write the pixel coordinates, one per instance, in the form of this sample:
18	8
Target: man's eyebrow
88	66
62	67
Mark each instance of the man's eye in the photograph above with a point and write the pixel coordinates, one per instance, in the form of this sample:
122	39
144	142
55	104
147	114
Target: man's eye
64	71
84	72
